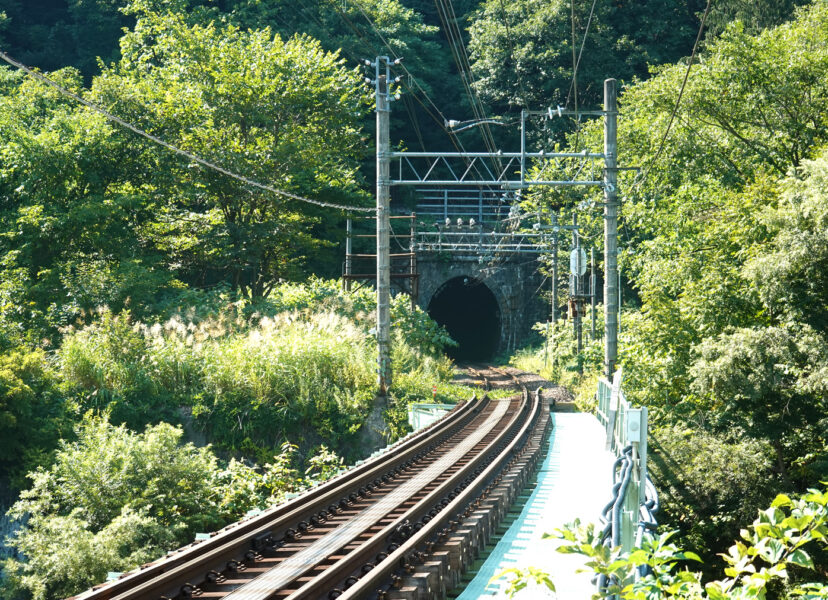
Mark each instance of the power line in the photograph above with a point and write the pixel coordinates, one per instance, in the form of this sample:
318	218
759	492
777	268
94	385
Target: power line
512	52
448	17
580	53
175	149
574	63
442	120
681	91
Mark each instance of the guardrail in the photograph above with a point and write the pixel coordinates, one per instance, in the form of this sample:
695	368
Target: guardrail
630	515
423	414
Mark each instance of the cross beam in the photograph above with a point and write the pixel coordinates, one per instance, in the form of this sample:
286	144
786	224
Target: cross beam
507	170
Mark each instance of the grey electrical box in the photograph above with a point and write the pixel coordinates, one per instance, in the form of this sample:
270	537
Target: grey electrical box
633	416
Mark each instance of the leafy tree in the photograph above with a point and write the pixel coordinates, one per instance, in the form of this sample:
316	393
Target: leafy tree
106	503
69	212
709	484
90	215
791	276
755	15
700	217
770	382
52	34
522	51
289	118
730	334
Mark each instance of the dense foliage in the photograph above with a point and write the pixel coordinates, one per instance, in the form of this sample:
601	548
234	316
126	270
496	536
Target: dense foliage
33	412
723	328
114	499
779	542
282	384
150	291
297	366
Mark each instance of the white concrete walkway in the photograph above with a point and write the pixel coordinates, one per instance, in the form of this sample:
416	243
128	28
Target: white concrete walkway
575	481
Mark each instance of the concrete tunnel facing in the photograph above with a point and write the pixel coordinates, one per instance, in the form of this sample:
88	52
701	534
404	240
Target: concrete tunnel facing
468	309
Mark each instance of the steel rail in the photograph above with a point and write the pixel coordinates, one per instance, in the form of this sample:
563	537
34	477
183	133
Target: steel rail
192	562
370	585
301	561
350	564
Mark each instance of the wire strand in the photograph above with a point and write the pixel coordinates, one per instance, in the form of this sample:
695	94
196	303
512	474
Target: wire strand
681	91
580	53
205	163
442	119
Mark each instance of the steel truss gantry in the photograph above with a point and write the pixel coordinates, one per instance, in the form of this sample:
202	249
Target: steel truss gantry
507	170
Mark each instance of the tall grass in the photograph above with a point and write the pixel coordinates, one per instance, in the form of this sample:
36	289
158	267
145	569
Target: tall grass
299	367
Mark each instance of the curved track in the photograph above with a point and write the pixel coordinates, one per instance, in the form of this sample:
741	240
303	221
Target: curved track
360	534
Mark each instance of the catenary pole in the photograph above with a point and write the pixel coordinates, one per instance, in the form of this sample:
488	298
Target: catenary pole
610	228
554	270
592	287
383	226
575	300
349	250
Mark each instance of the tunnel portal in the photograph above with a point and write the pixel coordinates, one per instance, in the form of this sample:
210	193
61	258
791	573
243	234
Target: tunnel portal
468	309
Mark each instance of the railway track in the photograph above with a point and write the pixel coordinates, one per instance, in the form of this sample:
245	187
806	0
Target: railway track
400	525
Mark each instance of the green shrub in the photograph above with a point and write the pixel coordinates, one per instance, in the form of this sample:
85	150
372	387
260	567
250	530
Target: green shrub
114	499
33	413
773	554
306	379
709	485
558	360
298	366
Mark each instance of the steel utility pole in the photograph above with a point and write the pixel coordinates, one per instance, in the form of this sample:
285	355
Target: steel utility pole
576	291
554	269
610	227
592	287
349	250
383	74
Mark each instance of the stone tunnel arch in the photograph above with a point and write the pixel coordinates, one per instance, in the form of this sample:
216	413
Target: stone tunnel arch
469	310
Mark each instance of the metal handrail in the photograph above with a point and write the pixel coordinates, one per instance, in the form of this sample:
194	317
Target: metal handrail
629	517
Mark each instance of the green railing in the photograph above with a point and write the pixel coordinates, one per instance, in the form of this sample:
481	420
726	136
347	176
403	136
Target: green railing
626	435
423	414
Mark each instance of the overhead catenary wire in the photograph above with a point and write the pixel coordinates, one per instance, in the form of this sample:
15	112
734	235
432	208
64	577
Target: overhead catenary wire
441	119
181	152
577	62
574	65
680	94
445	10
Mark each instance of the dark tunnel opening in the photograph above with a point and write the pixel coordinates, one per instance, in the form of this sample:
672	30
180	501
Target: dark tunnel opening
468	309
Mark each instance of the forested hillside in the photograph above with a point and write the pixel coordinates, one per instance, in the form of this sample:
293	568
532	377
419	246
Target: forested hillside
149	303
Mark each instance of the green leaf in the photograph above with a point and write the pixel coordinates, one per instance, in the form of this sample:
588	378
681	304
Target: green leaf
714	591
801	558
688	555
781	500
